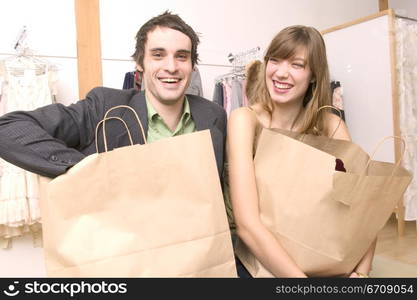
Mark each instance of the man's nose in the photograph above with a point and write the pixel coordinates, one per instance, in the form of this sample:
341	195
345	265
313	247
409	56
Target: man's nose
171	64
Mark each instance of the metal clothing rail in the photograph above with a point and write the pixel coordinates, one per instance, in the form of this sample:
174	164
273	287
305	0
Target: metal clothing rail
407	18
200	64
41	55
239	62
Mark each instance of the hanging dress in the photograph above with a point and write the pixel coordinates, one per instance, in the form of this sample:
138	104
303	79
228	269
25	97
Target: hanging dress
19	189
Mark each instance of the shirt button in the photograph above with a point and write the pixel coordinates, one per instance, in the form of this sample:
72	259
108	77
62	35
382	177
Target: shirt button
54	158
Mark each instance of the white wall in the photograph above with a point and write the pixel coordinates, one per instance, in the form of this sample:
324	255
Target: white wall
225	26
405	8
51	34
365	74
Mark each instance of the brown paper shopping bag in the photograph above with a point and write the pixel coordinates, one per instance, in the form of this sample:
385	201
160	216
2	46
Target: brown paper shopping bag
325	219
153	210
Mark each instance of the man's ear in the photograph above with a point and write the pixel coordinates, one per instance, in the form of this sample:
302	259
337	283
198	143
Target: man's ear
139	68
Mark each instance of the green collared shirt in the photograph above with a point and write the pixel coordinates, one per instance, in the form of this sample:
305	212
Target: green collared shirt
157	128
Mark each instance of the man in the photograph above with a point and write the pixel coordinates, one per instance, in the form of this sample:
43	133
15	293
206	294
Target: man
51	139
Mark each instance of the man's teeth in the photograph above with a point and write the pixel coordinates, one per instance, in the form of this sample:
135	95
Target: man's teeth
282	85
170	80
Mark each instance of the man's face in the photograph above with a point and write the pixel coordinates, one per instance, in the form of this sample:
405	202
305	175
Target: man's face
167	65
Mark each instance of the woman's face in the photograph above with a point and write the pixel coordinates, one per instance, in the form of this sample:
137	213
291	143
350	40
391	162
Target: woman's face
287	80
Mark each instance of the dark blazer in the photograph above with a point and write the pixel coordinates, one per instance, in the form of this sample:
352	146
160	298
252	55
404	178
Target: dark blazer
53	138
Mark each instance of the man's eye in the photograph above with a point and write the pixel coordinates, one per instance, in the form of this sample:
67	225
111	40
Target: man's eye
183	56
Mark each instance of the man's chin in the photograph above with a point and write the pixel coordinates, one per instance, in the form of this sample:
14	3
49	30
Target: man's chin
171	100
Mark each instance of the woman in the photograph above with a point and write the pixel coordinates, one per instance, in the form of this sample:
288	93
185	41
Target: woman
293	84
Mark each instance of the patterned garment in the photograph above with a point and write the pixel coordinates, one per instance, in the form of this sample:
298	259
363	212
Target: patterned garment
337	97
19	189
406	45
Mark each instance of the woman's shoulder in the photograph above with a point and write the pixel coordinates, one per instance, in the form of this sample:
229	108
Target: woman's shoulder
336	127
244	121
243	114
331	119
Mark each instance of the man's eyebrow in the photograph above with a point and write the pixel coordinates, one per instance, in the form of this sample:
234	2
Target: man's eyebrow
156	49
163	49
184	51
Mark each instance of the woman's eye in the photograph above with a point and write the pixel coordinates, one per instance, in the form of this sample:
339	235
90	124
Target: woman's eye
298	66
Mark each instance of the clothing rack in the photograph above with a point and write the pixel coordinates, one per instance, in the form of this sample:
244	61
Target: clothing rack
24	60
229	91
238	74
239	62
20	45
405	17
27	83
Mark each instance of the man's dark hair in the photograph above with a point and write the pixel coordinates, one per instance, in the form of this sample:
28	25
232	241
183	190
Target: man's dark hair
169	20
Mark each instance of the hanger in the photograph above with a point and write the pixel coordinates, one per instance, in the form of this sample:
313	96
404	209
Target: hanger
239	62
25	60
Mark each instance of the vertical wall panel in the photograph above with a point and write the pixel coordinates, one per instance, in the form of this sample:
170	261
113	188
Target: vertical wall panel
88	45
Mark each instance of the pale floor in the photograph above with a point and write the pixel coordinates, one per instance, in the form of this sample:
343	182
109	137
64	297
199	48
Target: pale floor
392	246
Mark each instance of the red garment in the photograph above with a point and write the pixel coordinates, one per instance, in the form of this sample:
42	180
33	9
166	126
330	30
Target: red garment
340	166
138	80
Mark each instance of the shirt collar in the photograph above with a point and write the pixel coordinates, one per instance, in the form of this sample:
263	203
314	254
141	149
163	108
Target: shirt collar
153	114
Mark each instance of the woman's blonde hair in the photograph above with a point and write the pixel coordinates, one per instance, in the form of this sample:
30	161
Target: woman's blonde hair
284	46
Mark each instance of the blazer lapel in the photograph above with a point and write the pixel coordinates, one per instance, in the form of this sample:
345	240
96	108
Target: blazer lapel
203	118
138	103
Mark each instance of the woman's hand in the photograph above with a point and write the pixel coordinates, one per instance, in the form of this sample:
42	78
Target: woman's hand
355	274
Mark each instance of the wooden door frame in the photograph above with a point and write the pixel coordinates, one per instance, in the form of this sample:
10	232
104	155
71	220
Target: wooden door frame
87	15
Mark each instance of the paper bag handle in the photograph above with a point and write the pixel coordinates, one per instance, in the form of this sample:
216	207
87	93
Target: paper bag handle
137	118
104	132
338	125
377	148
340	117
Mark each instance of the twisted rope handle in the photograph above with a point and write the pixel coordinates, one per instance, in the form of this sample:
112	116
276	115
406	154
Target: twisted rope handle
104	132
137	118
377	148
340	117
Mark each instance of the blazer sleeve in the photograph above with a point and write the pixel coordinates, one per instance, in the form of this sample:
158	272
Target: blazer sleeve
48	140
